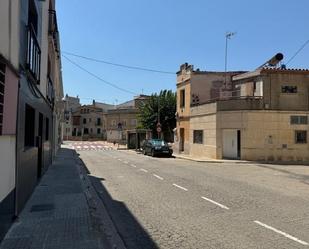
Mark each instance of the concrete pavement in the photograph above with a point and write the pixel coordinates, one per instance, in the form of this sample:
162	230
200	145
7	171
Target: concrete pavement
173	203
63	212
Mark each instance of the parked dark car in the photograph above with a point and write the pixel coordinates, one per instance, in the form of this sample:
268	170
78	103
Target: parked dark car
156	147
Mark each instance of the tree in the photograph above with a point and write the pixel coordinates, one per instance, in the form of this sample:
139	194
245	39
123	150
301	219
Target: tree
165	103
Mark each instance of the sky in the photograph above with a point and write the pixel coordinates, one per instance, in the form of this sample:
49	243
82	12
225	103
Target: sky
163	34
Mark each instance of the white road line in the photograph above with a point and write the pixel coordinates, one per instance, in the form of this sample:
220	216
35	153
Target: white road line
282	233
119	159
78	147
216	203
143	170
86	147
133	165
92	146
180	187
126	162
159	177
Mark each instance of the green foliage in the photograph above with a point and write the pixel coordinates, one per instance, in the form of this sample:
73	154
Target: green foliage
165	102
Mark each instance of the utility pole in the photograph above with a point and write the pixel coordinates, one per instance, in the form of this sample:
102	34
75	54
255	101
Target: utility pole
158	124
228	36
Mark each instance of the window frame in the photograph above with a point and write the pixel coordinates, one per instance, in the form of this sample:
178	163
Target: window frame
298	120
296	137
196	139
182	99
289	89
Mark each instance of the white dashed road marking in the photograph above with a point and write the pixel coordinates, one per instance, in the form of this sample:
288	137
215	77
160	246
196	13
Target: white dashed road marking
159	177
180	187
125	162
282	233
216	203
132	165
143	170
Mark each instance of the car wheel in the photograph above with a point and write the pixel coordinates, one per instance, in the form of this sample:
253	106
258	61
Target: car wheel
152	153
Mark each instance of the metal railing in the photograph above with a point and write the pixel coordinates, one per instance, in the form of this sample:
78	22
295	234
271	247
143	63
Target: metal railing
50	92
53	28
33	61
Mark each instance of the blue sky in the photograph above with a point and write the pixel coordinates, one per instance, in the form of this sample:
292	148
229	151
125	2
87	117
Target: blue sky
162	34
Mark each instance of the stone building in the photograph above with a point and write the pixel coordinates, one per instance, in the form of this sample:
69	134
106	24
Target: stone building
89	122
31	92
71	104
123	118
265	117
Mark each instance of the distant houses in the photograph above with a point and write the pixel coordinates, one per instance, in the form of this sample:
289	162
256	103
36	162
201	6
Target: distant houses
100	121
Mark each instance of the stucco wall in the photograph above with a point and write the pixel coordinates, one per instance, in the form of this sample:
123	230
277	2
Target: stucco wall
207	123
265	135
7	165
9	26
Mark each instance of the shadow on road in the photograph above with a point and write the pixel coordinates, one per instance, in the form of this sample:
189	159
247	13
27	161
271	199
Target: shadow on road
130	230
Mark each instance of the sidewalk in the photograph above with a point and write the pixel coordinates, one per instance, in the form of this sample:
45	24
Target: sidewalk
63	212
208	160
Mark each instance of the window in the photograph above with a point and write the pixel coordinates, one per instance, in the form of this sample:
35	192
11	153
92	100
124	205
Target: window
2	80
98	131
89	120
29	126
301	137
289	89
86	132
33	48
124	122
198	136
302	120
113	122
84	121
182	98
98	121
47	129
133	122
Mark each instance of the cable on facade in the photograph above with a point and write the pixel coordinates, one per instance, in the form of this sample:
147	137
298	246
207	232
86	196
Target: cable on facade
118	65
97	77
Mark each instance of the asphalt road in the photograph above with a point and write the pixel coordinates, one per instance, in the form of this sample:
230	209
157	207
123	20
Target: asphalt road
173	203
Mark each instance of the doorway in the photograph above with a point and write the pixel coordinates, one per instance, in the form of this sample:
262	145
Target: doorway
231	144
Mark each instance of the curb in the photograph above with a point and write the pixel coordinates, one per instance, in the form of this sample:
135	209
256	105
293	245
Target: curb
101	219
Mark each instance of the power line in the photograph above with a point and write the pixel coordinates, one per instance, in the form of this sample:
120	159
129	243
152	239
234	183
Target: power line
297	52
99	78
117	64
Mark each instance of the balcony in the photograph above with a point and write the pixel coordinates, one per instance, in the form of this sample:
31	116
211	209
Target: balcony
229	104
53	29
50	92
33	62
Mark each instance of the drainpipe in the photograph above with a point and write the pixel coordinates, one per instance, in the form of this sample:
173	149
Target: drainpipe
16	151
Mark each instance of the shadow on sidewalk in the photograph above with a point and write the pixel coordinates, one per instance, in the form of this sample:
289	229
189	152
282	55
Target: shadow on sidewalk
128	227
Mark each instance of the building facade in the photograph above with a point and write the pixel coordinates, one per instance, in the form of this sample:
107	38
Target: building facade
265	117
71	105
30	99
89	122
122	119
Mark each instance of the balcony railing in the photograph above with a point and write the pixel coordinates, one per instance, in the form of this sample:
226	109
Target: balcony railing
33	54
50	92
53	28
